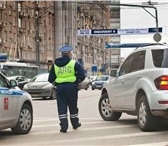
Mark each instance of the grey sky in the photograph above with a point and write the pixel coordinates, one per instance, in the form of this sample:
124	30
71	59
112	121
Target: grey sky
132	17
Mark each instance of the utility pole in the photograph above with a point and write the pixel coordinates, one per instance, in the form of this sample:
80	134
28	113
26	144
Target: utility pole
37	21
37	41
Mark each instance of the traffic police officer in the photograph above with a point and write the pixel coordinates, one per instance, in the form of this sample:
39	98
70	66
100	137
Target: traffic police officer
67	74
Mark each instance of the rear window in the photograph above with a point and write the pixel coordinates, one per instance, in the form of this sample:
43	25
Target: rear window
160	58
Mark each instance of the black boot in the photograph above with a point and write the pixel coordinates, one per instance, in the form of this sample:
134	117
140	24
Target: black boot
76	127
63	130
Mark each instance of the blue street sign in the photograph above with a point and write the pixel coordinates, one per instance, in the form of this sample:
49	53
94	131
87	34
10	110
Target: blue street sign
104	31
153	30
128	45
94	68
110	32
3	56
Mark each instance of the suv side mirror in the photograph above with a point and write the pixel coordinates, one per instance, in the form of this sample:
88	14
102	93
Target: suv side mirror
13	83
113	73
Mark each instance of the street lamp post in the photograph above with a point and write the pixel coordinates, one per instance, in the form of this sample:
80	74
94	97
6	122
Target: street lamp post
37	19
131	5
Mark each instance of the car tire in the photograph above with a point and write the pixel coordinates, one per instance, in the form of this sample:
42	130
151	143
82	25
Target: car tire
105	109
146	121
53	94
93	88
87	87
25	120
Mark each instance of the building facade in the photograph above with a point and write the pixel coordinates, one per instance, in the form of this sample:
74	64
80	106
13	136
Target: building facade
115	24
33	31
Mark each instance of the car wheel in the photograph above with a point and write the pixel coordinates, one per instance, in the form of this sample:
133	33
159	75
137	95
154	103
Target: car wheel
93	88
146	121
53	94
87	86
25	120
105	109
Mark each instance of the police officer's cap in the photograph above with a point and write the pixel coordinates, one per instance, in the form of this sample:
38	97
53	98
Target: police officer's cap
66	49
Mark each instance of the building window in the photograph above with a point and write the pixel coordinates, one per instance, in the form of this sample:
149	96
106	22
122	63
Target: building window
14	21
24	41
19	22
29	26
0	15
5	18
10	10
10	26
5	35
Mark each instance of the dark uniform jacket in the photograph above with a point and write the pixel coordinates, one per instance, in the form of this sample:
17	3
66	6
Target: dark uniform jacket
62	61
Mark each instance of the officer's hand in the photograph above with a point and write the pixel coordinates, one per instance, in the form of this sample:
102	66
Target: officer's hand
79	86
54	83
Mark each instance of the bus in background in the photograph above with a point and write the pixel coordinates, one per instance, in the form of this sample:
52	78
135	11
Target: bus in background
18	68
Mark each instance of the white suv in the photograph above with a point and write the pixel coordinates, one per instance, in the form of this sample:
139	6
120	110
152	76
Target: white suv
140	87
16	111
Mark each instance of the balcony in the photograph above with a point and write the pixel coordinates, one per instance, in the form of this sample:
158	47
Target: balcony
22	14
21	46
2	24
38	6
30	46
21	30
2	6
1	41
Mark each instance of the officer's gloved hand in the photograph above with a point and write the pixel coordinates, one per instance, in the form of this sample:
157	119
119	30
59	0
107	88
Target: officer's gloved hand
79	86
54	83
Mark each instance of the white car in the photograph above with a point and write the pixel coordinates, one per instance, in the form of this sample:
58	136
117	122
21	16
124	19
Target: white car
16	110
140	88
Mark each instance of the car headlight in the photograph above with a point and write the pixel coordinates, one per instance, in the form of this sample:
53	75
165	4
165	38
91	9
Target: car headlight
47	86
93	83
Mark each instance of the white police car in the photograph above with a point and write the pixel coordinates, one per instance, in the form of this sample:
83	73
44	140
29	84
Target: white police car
16	111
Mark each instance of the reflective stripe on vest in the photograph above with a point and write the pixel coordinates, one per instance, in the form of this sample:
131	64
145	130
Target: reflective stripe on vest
65	73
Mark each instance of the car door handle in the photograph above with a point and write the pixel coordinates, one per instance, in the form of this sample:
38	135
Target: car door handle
138	77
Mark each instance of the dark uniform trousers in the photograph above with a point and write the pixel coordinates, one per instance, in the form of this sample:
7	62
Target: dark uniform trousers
67	96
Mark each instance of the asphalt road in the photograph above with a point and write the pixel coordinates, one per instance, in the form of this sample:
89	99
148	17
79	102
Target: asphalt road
94	130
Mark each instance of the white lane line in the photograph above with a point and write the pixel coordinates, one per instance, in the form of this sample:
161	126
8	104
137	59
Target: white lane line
56	119
54	130
84	139
57	124
153	144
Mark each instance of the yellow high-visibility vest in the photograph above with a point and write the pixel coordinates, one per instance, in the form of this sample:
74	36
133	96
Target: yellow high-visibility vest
65	73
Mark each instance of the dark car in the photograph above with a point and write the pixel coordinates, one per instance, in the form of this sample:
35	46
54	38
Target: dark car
99	81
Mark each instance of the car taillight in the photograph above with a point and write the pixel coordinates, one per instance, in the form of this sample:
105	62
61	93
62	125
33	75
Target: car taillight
161	83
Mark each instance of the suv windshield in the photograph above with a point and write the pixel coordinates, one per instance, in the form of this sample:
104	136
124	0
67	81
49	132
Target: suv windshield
160	58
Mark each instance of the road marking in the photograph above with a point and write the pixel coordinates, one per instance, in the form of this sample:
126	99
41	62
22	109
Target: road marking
153	144
84	129
57	119
97	138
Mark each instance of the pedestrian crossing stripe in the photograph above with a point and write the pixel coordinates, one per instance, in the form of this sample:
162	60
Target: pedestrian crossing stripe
47	132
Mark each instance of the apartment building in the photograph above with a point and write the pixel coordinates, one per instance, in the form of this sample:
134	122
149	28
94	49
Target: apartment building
33	31
26	31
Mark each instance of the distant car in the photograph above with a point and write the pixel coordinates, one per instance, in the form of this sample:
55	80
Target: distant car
99	82
39	87
21	80
92	78
85	84
16	110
